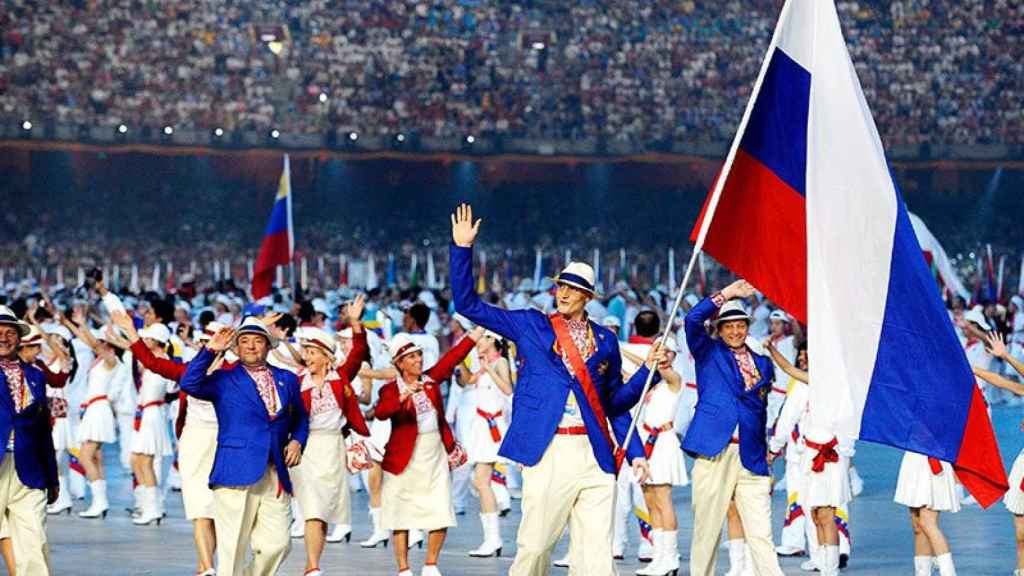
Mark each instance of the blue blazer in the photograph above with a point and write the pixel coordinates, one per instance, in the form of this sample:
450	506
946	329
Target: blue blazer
34	458
247	439
544	383
722	401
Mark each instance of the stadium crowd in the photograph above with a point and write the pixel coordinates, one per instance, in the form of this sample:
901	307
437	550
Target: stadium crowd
934	71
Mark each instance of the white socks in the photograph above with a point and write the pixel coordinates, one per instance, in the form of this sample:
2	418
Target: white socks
945	564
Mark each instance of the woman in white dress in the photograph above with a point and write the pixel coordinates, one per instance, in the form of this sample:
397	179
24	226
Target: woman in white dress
97	426
1014	498
493	385
824	463
321	479
150	438
665	458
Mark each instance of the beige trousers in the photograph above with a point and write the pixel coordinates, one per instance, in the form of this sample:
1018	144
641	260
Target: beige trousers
25	509
256	515
567	485
716	481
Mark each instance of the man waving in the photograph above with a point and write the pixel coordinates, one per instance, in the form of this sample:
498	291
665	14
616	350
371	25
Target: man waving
569	391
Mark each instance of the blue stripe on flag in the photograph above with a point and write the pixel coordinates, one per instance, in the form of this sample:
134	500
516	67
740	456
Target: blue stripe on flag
919	395
776	133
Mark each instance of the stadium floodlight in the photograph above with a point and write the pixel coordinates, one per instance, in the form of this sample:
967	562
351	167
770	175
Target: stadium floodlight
400	137
323	97
353	136
122	129
168	130
275	134
218	132
538	46
470	139
26	125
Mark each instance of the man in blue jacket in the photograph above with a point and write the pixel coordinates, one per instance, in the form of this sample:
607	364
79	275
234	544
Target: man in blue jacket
569	389
262	430
726	435
28	466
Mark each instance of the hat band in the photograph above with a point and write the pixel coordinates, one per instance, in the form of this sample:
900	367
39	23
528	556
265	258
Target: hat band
575	280
319	344
254	330
404	350
733	315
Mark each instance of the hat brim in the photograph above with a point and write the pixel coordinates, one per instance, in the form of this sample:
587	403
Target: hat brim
242	331
744	318
22	328
406	353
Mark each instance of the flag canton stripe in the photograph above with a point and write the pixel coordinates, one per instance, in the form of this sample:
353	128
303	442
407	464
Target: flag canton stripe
776	133
278	218
921	385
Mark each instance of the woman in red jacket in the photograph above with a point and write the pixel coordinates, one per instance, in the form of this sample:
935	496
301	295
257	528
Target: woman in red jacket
321	478
416	491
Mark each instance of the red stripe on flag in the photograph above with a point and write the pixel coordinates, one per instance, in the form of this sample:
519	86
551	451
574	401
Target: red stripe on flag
979	464
273	253
759	231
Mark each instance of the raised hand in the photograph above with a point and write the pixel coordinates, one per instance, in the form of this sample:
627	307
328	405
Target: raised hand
738	289
996	345
355	309
122	320
464	230
221	341
477	333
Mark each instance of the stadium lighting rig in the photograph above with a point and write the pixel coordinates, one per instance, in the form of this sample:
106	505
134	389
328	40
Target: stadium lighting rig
218	132
26	125
400	137
353	136
470	139
323	97
275	133
168	130
122	129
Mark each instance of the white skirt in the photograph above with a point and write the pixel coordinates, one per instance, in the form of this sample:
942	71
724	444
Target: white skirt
152	437
666	461
380	433
97	424
1014	499
196	449
421	496
917	487
320	480
830	487
62	435
480	446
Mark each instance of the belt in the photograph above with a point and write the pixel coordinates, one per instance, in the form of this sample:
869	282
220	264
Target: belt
571	430
93	400
137	422
652	436
778	390
826	453
691	385
492	423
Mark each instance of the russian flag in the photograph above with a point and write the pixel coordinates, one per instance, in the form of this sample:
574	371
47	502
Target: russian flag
278	240
805	208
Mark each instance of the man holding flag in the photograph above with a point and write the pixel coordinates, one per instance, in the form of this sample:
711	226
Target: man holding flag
825	234
278	244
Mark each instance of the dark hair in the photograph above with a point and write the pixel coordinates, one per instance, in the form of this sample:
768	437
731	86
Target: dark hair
287	323
420	314
163	309
306	311
647	324
205	317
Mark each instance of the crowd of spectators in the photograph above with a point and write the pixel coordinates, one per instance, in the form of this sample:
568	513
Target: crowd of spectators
933	71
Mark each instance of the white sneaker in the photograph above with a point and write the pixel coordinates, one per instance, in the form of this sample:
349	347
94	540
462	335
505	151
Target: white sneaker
430	570
856	482
298	529
562	562
416	538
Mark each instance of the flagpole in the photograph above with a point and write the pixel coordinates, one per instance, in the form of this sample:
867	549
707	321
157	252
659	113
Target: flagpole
705	224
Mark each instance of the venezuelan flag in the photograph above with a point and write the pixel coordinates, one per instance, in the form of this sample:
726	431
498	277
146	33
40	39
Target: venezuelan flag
74	464
644	520
278	240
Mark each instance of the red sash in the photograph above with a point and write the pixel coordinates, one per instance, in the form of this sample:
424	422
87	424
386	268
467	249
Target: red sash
492	423
935	465
579	368
137	423
83	407
652	437
826	453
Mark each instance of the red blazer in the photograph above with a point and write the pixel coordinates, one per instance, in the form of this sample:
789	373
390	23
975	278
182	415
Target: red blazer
399	449
342	386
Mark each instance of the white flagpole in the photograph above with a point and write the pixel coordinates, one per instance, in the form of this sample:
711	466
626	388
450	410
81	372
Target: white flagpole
81	276
226	270
302	275
999	281
60	275
371	273
248	269
154	283
431	271
671	267
133	279
716	194
216	270
597	264
538	264
1020	280
568	257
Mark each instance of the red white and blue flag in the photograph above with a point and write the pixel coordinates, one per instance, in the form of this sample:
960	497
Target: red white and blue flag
279	239
806	210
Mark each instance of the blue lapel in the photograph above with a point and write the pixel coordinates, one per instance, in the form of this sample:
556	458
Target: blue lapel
5	395
727	363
